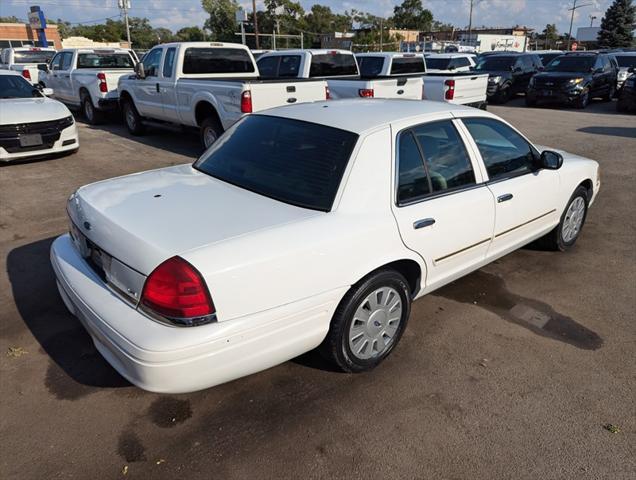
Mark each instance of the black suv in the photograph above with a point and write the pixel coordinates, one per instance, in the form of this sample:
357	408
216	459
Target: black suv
509	73
575	78
627	97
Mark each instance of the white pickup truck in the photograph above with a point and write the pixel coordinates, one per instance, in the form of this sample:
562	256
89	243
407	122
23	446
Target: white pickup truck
205	85
26	60
340	69
464	88
87	78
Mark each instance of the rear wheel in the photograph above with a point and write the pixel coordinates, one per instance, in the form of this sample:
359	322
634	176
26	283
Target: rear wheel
132	118
369	322
569	228
530	102
91	114
211	130
610	94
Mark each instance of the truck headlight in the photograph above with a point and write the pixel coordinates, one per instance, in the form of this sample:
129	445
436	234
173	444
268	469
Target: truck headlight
495	79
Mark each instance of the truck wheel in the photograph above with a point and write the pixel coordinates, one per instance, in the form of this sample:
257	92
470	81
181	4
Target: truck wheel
132	119
91	114
211	130
566	233
369	322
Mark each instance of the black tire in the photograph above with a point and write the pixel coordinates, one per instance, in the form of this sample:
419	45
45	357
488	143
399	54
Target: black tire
583	100
210	131
504	95
610	94
132	119
554	240
336	348
621	107
91	114
530	102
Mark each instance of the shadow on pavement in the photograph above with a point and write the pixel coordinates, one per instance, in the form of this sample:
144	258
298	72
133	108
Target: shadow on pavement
76	365
627	132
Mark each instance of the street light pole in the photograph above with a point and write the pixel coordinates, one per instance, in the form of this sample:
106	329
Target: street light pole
592	18
470	21
573	9
124	5
255	24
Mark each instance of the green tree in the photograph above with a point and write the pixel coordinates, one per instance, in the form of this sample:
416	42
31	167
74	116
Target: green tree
11	19
190	34
616	26
412	15
550	35
222	21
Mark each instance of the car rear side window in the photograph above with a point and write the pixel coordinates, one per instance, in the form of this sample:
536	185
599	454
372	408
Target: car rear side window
217	60
104	60
370	66
296	162
289	66
268	66
504	152
406	65
333	65
168	62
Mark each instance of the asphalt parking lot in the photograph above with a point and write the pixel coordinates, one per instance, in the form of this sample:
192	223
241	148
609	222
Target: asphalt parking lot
471	392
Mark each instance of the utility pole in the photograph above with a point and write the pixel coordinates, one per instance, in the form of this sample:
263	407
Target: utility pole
470	21
124	6
381	33
255	24
573	9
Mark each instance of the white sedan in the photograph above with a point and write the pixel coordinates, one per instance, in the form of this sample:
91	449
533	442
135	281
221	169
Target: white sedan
306	226
32	125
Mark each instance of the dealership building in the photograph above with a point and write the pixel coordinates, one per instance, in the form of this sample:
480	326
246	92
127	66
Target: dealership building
21	34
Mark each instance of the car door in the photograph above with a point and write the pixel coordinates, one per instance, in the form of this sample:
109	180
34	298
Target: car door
64	89
598	77
51	76
443	209
526	198
168	86
147	90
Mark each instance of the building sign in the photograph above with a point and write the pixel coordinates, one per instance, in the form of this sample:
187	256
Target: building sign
37	20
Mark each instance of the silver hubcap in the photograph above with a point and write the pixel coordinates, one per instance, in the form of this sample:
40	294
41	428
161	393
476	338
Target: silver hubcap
573	220
209	137
88	110
375	323
130	118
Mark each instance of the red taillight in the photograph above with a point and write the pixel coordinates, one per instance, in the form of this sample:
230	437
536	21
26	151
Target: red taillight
26	74
246	102
450	91
103	86
366	92
175	290
327	93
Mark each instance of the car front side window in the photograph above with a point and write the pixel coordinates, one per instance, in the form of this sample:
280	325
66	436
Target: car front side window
151	63
56	62
505	153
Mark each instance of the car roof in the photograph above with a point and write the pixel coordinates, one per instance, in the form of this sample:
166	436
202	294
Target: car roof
359	116
33	49
389	54
10	72
451	55
313	51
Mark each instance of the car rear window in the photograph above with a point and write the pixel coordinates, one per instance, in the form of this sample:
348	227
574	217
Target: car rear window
217	60
35	56
438	63
370	66
405	65
333	65
292	161
104	60
496	63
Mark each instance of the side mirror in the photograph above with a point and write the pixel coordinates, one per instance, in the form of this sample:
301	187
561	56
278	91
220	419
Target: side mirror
139	70
551	160
43	67
47	92
630	70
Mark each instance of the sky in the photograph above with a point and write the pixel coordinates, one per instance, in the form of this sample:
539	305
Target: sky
175	14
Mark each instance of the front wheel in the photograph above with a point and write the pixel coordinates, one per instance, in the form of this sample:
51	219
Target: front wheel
132	118
566	233
583	100
369	322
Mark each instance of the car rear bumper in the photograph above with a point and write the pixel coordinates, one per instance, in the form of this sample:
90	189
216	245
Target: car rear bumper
68	141
166	359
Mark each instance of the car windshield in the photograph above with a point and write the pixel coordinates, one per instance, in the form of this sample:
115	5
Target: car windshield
33	56
626	61
15	86
370	66
496	63
437	63
570	63
292	161
333	64
104	60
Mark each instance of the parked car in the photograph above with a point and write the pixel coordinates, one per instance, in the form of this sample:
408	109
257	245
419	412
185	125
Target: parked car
457	88
32	125
450	62
204	85
547	56
627	95
626	60
509	73
26	60
574	79
340	69
305	226
86	78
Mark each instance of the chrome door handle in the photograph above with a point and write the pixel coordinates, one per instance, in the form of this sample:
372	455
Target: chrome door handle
426	222
504	198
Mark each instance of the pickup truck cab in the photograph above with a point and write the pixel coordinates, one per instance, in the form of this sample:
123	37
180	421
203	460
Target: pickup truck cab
204	85
87	78
574	78
450	62
340	69
458	88
26	61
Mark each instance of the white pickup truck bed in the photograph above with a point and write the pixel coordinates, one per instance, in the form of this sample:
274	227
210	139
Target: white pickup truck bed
460	88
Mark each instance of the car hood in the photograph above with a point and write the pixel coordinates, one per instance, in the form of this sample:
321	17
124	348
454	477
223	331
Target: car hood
29	110
146	218
559	76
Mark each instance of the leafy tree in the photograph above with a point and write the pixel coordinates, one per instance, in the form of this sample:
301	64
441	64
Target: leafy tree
616	26
550	35
11	19
222	21
412	15
164	35
190	34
